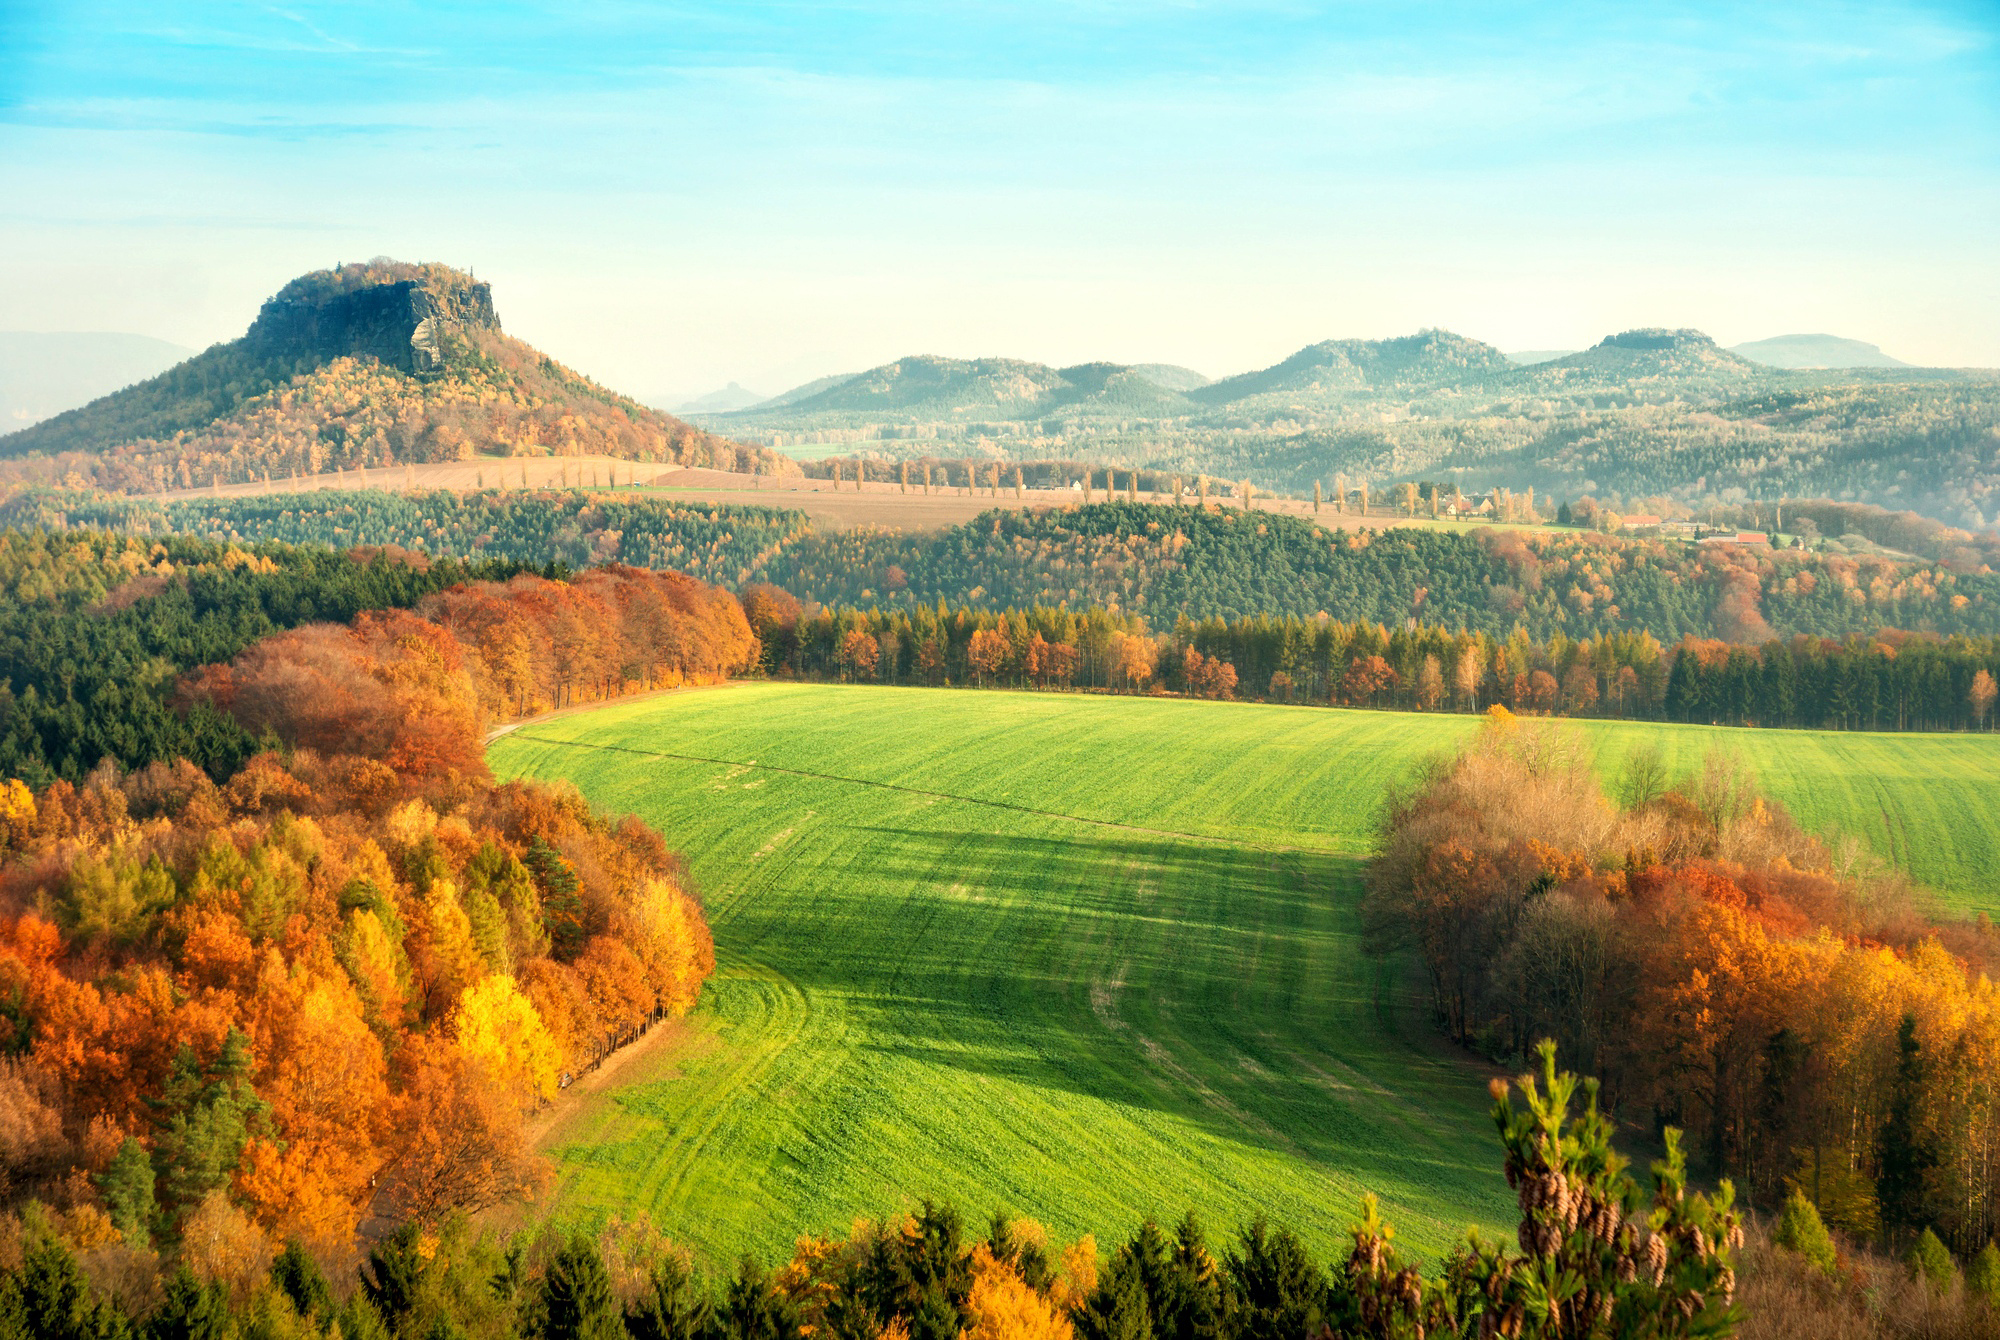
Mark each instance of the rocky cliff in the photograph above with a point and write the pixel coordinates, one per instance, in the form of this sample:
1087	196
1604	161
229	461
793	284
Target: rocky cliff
407	323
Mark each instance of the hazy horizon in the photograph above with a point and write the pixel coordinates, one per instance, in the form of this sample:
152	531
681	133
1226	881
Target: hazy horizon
672	199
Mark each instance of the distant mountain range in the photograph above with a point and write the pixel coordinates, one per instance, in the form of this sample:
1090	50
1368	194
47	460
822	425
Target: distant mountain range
1640	413
43	373
366	365
1330	376
1816	351
732	396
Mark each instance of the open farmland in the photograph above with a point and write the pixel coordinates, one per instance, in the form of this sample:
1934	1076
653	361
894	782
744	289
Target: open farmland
1087	958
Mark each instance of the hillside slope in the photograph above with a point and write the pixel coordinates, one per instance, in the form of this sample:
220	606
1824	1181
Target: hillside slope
366	365
1424	361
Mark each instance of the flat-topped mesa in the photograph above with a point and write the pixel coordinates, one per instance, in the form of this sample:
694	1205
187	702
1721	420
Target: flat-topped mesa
1658	337
402	314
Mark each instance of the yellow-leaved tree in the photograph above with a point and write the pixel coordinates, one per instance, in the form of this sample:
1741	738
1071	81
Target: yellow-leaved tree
497	1027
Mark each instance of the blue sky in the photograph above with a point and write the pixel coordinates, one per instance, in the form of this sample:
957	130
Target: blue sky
675	195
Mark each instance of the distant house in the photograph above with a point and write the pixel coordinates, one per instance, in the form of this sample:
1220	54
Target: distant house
1738	537
1641	521
1684	530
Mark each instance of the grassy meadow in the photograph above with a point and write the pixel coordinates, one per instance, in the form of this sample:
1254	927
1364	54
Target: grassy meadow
1085	958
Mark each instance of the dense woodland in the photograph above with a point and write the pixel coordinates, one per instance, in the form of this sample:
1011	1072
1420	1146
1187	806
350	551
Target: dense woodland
579	528
1226	562
1166	563
95	628
1716	966
1890	681
324	989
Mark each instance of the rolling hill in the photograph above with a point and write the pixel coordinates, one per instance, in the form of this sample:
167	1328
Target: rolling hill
375	364
1425	361
953	389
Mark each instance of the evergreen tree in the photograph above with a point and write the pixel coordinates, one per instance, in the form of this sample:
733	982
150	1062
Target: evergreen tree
299	1278
127	1187
190	1310
576	1301
1801	1230
1904	1154
393	1277
48	1298
673	1306
1982	1275
1275	1292
754	1308
1930	1261
207	1115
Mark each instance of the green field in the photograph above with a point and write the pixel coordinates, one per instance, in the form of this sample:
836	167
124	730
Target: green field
1086	958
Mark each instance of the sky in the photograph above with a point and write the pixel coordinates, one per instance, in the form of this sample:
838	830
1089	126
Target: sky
672	196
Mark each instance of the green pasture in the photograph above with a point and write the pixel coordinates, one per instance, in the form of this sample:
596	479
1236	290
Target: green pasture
1085	958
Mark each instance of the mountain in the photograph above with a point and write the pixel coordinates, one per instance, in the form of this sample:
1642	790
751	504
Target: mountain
732	396
1527	356
43	373
364	365
930	387
1815	351
1427	360
1652	359
1172	377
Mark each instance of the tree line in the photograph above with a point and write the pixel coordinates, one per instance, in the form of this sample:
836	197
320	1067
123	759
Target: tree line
1597	1254
572	527
1164	562
96	627
1891	681
1812	1031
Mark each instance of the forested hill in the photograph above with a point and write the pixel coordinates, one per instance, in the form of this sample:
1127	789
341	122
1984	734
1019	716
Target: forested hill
364	365
1165	563
1157	562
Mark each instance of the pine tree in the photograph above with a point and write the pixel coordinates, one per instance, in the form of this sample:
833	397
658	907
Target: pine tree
576	1300
393	1276
190	1310
208	1113
1904	1155
299	1278
673	1307
127	1187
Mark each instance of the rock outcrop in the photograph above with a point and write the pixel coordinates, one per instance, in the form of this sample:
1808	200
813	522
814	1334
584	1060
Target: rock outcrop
407	323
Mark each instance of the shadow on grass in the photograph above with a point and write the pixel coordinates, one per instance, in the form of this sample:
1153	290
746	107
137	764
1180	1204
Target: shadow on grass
1219	984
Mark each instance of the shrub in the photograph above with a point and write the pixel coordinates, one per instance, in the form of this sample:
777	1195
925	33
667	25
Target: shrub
1930	1261
1982	1274
1801	1230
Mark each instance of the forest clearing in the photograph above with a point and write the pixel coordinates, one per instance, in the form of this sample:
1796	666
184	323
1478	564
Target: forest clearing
1082	957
